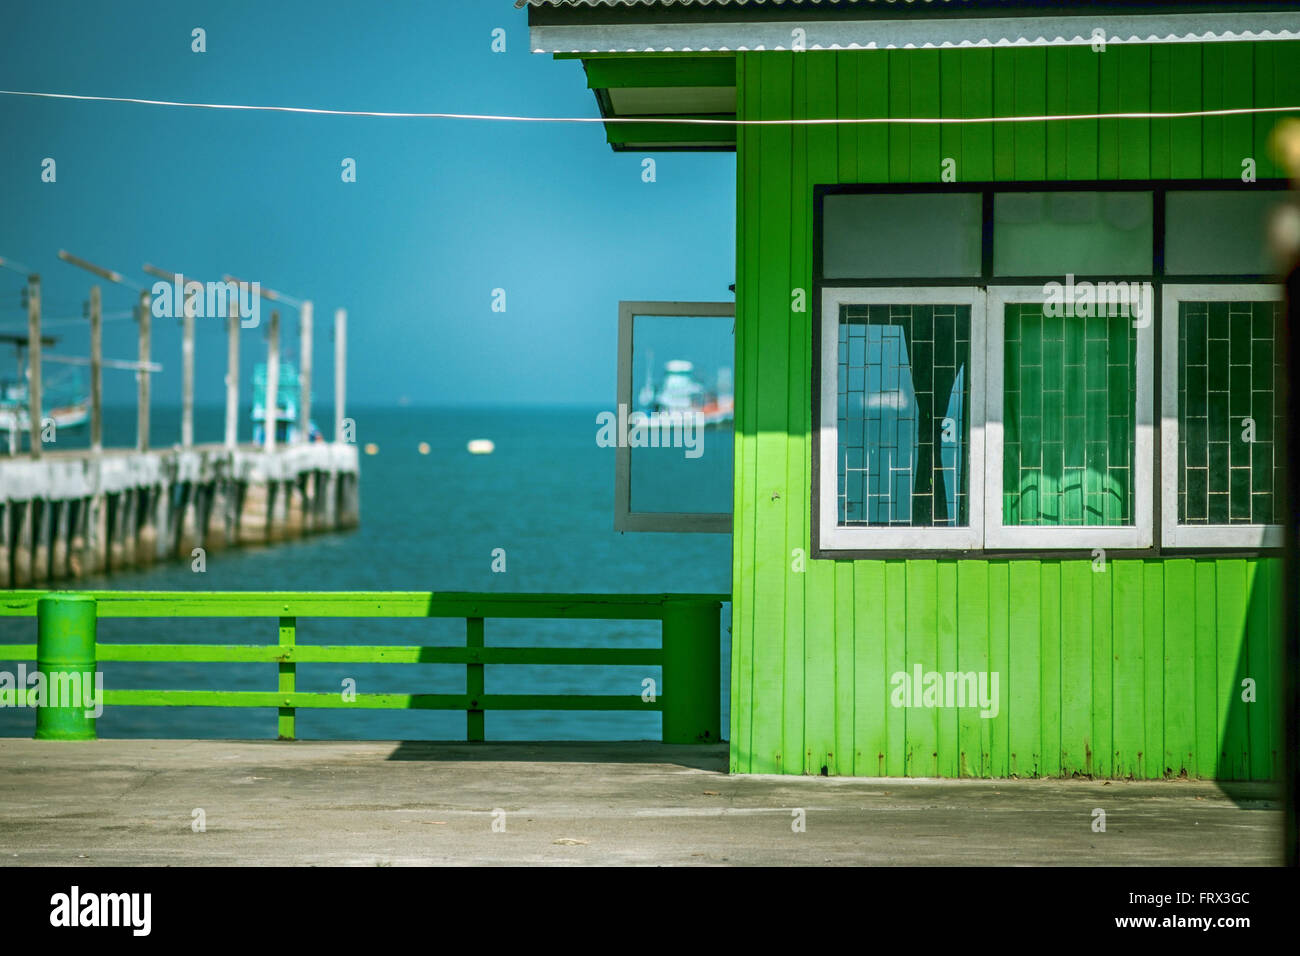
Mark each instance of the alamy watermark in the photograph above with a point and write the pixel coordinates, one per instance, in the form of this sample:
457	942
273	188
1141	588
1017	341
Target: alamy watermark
946	689
207	300
59	689
1070	299
131	911
664	429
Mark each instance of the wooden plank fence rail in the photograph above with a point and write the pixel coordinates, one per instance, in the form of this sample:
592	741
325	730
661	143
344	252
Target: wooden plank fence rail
689	654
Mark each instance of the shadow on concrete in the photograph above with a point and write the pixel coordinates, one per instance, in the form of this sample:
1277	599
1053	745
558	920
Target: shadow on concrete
711	757
1254	794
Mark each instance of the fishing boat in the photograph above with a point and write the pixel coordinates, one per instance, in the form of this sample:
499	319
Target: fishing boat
286	406
72	412
681	391
65	395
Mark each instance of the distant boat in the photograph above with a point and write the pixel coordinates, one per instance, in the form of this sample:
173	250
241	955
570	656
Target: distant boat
680	391
65	395
286	407
14	412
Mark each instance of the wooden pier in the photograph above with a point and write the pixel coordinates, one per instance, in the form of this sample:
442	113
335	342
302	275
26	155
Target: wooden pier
378	803
71	514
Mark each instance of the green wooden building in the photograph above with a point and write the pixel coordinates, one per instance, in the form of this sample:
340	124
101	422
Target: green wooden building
1006	431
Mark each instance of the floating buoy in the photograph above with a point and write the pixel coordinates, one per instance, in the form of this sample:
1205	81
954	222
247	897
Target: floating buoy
372	449
481	446
423	448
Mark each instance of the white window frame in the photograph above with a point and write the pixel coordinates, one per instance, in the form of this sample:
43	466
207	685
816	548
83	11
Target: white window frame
1173	534
1140	534
834	537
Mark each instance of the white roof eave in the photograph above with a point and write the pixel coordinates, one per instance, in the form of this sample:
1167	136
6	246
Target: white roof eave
930	33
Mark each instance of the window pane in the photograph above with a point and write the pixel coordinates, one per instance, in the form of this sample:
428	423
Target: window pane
1219	232
895	236
1072	233
1229	422
680	433
904	422
1068	418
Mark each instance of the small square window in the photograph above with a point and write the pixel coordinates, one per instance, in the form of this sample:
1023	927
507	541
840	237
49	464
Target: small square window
917	235
1080	233
1219	232
672	424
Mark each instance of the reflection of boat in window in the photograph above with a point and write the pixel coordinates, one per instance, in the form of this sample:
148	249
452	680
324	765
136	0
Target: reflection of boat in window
286	406
681	392
65	395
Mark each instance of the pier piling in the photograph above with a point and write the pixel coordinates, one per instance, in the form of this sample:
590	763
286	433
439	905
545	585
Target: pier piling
72	514
304	371
271	406
232	374
96	370
144	318
34	361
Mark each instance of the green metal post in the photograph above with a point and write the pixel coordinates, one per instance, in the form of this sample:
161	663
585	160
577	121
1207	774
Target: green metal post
65	658
692	706
288	677
474	681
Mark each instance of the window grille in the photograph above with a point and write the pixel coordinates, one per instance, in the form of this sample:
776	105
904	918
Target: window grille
1229	420
904	422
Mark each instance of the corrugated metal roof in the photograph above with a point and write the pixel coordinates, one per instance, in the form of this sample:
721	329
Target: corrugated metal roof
665	33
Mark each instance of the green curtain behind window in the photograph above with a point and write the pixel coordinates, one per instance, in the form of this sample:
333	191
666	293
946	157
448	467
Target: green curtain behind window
1068	425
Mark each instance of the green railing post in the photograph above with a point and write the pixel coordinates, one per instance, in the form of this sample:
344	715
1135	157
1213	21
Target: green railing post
65	658
288	677
474	681
692	707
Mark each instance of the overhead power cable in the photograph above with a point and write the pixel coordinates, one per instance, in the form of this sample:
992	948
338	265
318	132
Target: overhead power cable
673	120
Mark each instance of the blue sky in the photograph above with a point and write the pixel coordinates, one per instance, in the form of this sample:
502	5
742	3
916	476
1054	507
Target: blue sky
442	212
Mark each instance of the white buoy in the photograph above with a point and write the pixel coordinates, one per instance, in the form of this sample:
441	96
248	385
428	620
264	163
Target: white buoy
481	446
372	449
423	448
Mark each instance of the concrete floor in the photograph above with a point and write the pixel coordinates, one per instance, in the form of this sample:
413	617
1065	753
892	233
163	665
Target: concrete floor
132	802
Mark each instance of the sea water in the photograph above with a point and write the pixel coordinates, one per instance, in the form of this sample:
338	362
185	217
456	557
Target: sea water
428	522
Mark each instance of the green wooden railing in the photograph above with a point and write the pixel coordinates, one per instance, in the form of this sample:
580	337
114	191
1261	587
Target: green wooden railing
688	655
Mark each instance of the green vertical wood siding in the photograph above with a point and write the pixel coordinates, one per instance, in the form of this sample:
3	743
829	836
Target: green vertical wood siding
1134	671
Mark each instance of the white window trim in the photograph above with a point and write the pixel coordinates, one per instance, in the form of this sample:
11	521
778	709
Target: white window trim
831	535
1140	534
1173	534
